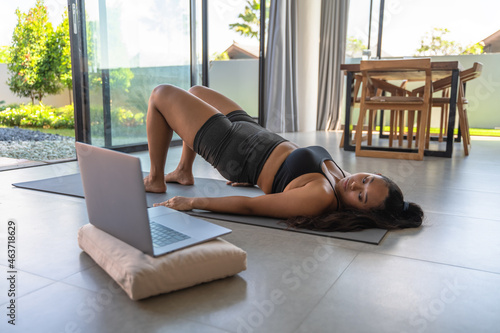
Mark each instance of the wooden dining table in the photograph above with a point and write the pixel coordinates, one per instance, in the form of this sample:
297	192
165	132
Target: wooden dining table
440	70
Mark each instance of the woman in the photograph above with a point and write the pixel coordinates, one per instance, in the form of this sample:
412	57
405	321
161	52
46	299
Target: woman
302	185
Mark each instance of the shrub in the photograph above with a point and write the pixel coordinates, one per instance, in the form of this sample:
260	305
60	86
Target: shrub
4	107
29	115
38	116
120	117
65	117
126	118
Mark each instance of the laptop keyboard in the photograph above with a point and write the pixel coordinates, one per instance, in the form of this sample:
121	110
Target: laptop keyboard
163	235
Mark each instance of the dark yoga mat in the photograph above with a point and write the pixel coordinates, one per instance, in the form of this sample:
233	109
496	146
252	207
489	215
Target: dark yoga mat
72	185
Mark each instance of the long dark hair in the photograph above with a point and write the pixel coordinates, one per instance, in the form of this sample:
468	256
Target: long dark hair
394	213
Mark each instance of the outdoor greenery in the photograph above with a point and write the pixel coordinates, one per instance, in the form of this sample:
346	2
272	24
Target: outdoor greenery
249	25
354	47
44	116
4	54
120	117
434	43
472	131
39	57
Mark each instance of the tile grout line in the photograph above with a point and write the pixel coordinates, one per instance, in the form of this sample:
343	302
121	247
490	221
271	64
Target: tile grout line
435	262
464	216
327	291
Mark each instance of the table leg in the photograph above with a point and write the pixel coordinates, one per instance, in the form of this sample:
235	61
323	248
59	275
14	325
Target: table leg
459	134
455	81
348	103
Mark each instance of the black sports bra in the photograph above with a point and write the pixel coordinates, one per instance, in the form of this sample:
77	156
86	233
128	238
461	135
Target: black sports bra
300	162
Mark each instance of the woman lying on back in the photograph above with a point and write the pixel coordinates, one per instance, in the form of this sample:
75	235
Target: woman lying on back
304	186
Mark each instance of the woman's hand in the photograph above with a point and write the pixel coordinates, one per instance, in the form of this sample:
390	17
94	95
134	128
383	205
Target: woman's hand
235	184
177	203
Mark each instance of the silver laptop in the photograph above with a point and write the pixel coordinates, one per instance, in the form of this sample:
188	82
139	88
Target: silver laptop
116	203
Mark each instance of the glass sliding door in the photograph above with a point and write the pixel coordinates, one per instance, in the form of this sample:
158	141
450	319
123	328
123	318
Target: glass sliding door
362	29
132	47
233	44
197	42
122	49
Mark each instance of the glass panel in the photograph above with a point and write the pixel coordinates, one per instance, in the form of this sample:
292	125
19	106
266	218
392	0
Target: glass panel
132	47
445	35
198	43
362	28
234	55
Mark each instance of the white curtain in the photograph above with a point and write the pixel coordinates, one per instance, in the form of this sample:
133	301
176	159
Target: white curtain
331	54
280	80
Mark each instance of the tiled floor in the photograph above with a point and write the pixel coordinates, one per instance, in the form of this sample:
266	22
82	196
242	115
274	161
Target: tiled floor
442	277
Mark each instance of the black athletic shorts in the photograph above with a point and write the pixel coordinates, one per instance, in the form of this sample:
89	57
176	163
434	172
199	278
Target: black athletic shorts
236	145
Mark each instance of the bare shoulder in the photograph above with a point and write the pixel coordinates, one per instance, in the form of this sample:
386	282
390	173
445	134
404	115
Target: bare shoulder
314	187
313	197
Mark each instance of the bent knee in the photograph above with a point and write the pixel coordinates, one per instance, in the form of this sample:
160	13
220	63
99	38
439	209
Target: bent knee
165	91
198	90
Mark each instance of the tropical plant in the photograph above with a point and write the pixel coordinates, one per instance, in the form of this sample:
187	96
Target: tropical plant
249	26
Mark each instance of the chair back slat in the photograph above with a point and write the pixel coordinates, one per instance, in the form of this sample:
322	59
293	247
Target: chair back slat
466	75
472	73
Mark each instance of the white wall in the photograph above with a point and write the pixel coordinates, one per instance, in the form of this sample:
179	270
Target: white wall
9	97
308	15
482	93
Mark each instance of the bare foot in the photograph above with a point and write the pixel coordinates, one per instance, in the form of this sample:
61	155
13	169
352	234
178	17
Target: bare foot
180	176
154	186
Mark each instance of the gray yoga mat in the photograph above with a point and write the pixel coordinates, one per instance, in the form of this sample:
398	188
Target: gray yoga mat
72	185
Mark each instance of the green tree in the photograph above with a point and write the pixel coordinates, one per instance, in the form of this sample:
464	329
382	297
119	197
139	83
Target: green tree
220	56
435	44
249	26
473	49
37	55
64	49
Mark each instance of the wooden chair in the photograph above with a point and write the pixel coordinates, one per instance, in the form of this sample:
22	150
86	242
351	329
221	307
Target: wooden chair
373	72
396	123
443	102
355	101
382	87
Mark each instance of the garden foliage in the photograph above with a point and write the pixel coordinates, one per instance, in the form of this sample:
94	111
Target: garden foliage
44	116
39	57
